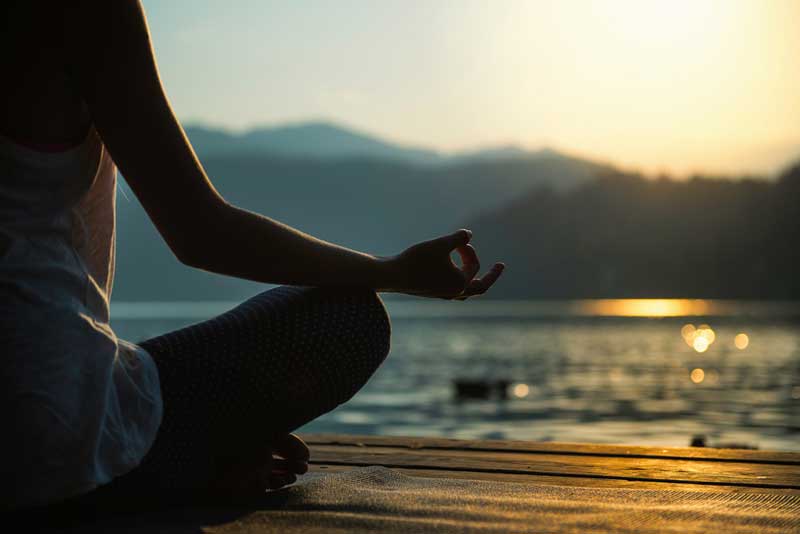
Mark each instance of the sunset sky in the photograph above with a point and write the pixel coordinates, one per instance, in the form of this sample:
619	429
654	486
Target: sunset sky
676	86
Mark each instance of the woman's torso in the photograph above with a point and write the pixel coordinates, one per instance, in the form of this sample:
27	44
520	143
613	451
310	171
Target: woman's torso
82	406
79	405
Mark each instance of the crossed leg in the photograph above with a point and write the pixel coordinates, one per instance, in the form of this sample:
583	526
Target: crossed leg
234	386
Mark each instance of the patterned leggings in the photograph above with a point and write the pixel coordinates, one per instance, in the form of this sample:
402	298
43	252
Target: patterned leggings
234	383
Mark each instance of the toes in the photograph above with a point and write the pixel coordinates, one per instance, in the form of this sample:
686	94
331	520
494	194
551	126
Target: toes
289	466
291	447
277	481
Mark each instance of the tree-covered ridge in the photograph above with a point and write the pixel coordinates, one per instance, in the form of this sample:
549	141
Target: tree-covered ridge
622	235
567	227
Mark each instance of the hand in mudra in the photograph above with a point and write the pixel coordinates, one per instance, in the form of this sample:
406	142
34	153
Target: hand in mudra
427	270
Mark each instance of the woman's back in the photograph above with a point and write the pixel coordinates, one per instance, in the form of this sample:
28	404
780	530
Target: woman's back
83	405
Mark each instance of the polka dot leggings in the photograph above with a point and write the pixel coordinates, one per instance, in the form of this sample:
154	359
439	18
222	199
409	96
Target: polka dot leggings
234	383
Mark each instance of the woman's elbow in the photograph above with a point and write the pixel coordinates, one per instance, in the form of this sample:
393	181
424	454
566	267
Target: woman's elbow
197	239
188	255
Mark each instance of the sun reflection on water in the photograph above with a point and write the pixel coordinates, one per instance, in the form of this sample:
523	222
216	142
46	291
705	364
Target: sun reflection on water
521	391
697	375
688	331
741	341
712	377
699	338
646	307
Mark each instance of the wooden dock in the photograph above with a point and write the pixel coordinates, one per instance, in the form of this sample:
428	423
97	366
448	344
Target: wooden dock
408	485
563	464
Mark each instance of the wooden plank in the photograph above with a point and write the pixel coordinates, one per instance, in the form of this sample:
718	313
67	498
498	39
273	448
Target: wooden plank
692	471
554	480
577	449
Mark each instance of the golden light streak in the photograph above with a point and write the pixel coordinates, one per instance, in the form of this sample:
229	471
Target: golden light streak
645	307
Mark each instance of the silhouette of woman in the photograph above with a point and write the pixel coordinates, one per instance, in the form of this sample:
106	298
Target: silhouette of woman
204	410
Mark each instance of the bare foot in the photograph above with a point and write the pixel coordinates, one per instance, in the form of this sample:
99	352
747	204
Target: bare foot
250	477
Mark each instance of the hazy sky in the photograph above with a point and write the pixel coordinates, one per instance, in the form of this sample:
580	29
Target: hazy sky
674	85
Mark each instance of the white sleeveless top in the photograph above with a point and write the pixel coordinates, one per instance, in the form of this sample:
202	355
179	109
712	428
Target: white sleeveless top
79	406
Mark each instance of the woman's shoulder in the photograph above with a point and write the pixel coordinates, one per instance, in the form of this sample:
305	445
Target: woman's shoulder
42	105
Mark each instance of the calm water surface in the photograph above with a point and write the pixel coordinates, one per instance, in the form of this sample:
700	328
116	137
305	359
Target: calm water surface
627	371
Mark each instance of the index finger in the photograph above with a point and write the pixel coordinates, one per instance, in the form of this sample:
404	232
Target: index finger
481	285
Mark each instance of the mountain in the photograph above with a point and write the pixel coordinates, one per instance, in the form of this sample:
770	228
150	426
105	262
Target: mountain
566	227
625	236
335	185
503	152
314	140
328	141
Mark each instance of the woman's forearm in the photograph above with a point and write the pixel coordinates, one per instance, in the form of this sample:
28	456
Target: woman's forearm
240	243
120	82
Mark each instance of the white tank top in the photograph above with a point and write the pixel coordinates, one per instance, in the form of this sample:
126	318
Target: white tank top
79	406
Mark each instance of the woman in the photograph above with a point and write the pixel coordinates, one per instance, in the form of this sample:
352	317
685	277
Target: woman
194	412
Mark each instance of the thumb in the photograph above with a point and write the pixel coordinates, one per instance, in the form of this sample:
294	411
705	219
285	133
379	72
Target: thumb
459	238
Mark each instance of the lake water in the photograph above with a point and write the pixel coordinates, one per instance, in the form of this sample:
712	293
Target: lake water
622	371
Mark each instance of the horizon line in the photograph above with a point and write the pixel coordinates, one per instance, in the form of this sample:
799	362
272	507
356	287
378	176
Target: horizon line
644	170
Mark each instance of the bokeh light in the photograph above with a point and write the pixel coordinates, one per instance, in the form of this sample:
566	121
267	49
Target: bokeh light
700	338
687	332
521	390
741	341
705	331
697	375
700	344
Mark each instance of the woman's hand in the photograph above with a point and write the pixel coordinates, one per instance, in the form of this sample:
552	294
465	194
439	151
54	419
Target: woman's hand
427	270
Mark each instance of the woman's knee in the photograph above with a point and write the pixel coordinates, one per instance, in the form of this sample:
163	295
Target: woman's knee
354	313
380	325
361	329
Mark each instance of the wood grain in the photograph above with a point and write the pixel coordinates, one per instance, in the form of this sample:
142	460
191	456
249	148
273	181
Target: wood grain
554	480
577	449
705	467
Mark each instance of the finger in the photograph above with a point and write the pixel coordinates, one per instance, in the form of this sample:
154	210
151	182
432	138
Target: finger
458	238
481	285
470	261
292	448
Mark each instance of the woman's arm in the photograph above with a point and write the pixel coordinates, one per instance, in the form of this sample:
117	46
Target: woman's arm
108	44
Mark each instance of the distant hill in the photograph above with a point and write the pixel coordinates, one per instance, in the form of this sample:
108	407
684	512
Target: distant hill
334	184
567	227
329	141
625	236
309	140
